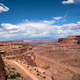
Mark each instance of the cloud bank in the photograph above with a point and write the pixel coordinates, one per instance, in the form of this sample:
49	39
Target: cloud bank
3	8
40	29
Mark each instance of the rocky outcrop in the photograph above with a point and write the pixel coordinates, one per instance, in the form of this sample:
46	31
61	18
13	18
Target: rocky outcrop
70	40
15	51
25	55
30	58
2	71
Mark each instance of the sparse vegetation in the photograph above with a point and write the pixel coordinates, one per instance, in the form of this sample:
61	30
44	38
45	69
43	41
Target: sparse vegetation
13	76
18	74
44	77
13	68
37	71
34	69
27	66
38	74
20	47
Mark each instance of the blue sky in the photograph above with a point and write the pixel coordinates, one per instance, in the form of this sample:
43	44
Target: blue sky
39	19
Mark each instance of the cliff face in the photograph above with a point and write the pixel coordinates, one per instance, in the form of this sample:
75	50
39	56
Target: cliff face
25	55
2	71
70	40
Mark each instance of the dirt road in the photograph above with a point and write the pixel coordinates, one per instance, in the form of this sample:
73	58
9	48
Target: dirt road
24	69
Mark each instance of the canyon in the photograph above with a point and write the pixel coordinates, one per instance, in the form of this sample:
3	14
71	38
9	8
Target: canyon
59	59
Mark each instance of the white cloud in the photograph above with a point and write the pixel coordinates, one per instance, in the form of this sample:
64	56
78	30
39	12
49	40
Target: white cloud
10	28
57	18
31	29
71	1
68	2
72	26
3	8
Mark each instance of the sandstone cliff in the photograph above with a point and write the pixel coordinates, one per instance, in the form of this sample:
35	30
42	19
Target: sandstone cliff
2	71
70	40
26	55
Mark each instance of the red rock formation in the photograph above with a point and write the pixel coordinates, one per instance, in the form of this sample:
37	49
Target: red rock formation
2	71
70	40
26	55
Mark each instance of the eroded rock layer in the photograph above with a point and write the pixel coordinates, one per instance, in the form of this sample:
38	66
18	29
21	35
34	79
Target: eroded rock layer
2	71
26	55
70	40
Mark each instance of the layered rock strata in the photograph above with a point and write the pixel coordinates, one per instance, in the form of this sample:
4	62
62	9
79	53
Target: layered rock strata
2	71
26	55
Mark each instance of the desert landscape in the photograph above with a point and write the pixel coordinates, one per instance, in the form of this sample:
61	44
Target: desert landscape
48	60
39	39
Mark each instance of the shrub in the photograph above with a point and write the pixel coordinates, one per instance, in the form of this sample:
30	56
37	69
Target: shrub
35	69
44	77
13	76
13	68
19	47
27	66
38	74
18	74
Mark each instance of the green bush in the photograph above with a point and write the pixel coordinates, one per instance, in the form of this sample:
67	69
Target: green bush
27	66
35	69
20	47
13	68
44	77
38	74
18	74
13	76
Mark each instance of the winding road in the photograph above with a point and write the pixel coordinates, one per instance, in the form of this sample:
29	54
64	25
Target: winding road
24	69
